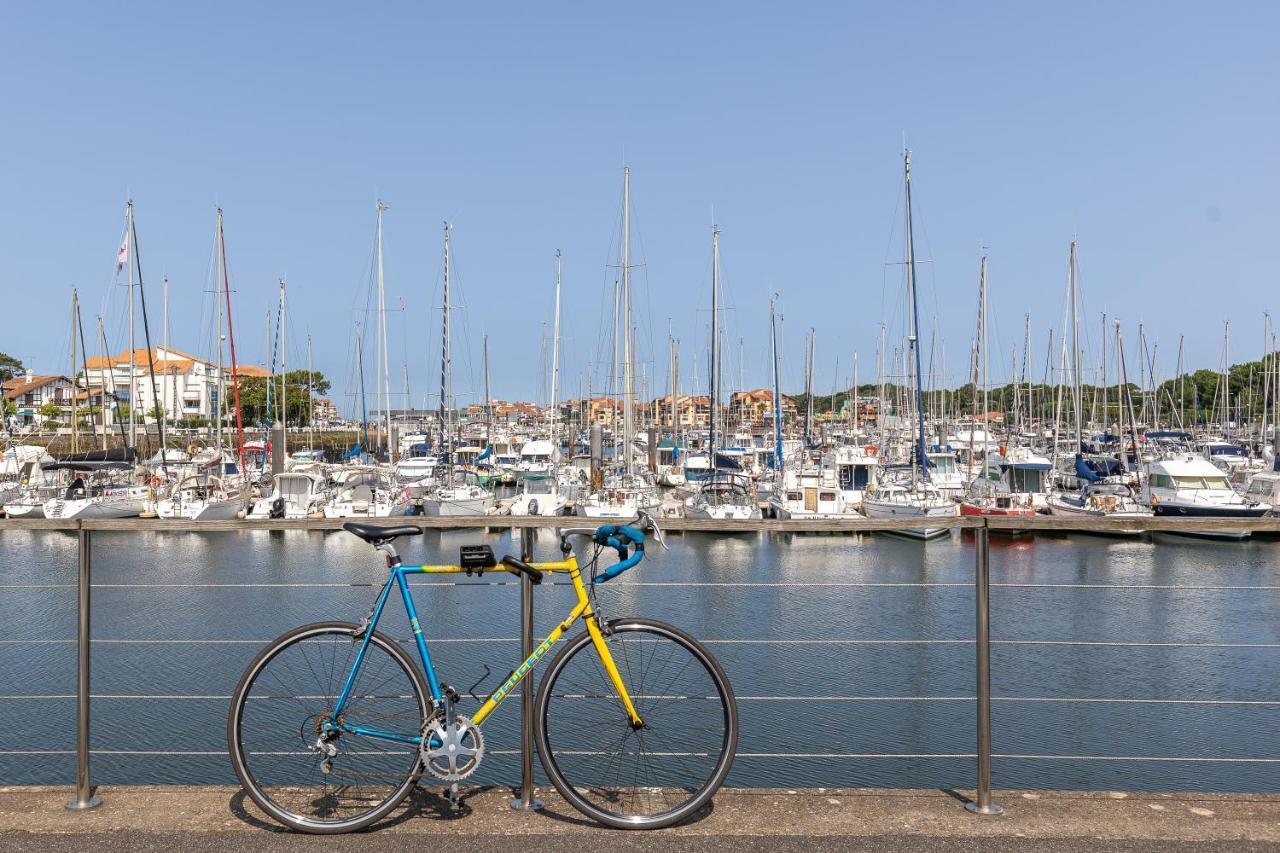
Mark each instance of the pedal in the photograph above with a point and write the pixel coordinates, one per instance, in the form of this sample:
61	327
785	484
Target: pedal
451	793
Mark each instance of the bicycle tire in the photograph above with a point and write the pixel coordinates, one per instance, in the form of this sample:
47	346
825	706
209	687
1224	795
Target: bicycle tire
594	797
245	764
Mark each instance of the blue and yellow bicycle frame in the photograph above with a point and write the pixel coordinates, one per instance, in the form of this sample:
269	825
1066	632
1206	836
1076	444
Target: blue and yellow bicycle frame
582	610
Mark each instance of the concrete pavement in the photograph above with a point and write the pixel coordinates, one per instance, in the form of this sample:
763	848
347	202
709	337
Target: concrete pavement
197	819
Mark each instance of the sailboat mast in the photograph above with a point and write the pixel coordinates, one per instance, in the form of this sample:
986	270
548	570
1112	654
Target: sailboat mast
133	367
920	467
284	373
110	376
986	358
311	400
1078	399
74	384
555	367
488	397
231	339
384	385
168	372
628	379
446	358
715	345
218	284
777	398
364	412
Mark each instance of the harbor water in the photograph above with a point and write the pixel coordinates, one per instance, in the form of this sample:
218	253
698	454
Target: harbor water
852	656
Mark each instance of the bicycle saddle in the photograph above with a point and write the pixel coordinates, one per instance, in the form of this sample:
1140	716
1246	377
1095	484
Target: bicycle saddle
375	533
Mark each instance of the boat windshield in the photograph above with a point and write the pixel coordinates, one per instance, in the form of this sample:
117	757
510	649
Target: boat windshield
944	464
1201	482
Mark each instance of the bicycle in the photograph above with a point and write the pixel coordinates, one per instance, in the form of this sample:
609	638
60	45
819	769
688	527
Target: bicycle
638	735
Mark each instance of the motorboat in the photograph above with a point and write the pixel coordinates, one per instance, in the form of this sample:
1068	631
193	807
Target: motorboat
1191	486
810	492
294	494
918	500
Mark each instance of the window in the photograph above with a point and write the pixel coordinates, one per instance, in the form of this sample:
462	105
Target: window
1260	488
1194	482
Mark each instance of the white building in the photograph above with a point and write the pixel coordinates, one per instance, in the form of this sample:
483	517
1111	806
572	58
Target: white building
186	386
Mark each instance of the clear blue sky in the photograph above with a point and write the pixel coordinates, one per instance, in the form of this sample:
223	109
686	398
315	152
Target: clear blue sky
1150	130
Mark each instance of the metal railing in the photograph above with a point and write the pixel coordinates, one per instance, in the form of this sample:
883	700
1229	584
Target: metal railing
981	528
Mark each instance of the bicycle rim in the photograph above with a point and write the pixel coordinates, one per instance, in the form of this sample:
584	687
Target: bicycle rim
288	690
654	776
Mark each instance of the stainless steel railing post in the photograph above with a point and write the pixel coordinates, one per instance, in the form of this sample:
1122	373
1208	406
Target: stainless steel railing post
526	801
85	797
981	804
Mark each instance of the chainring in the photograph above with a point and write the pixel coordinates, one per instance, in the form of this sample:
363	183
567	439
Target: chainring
460	751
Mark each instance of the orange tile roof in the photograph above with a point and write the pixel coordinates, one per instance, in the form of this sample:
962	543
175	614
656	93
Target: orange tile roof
19	385
250	370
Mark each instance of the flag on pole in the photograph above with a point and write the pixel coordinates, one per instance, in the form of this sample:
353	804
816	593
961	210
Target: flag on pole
122	256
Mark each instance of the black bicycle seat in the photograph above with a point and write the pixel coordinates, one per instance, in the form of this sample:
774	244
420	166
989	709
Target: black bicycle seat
375	533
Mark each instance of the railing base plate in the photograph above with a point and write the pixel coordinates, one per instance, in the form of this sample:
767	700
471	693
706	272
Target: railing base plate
83	805
992	809
518	804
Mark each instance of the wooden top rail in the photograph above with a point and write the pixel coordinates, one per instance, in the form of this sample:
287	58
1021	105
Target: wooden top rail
1046	523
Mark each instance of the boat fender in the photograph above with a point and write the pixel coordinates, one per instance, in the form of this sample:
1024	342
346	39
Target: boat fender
277	508
1155	500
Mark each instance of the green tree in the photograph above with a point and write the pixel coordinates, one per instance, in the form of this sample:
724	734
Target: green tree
50	412
254	401
10	367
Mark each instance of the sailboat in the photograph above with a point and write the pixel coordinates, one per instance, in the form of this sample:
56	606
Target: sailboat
919	498
207	494
1107	489
461	493
545	488
987	498
628	489
725	494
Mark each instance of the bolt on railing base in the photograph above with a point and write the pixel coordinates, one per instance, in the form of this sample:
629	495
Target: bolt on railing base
989	808
79	805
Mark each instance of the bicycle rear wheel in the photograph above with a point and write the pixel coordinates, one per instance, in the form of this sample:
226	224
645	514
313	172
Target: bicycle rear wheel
288	690
631	778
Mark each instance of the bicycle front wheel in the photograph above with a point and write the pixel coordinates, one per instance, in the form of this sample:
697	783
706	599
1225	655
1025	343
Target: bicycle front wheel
274	729
625	777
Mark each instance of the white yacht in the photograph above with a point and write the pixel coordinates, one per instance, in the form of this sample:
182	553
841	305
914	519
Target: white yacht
725	496
622	497
544	496
670	463
294	494
366	492
203	497
98	497
536	459
945	474
1191	486
811	492
855	471
921	500
1265	485
461	496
